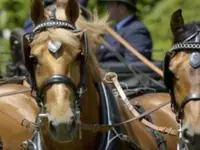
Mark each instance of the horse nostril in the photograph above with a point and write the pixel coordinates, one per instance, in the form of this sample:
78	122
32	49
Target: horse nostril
73	121
188	135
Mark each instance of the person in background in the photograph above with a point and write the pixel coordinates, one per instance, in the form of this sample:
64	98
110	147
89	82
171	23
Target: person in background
127	25
28	26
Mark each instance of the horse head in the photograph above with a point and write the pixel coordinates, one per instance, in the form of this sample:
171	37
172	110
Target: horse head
57	56
181	75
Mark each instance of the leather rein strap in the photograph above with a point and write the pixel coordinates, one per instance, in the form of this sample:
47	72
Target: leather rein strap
113	78
104	128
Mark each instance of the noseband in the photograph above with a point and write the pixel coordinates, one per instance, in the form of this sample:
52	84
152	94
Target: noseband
57	78
191	43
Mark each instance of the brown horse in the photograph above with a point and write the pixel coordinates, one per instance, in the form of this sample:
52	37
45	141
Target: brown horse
15	111
182	64
66	76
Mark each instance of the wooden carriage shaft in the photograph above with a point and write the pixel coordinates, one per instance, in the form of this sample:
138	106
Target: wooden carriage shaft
134	51
129	47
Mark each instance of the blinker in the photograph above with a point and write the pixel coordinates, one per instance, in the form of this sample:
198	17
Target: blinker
195	59
54	46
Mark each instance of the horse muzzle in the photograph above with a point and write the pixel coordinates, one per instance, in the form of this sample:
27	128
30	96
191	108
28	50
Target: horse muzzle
191	139
61	132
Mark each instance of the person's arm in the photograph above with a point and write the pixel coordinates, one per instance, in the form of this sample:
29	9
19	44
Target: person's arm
141	40
83	2
28	26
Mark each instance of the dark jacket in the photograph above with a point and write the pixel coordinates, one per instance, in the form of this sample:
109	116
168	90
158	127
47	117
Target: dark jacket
136	34
83	2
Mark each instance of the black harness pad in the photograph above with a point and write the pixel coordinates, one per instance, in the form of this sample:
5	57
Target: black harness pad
109	115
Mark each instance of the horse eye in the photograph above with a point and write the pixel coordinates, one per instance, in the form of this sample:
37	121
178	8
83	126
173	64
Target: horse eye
33	59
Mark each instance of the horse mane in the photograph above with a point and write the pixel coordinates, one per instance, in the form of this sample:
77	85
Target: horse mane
94	29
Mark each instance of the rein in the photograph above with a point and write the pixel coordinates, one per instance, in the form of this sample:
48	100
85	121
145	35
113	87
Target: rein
15	92
112	78
105	128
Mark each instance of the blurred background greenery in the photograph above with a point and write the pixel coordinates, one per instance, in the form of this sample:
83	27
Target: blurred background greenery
154	13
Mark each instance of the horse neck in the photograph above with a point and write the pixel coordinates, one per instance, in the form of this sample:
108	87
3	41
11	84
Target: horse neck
90	102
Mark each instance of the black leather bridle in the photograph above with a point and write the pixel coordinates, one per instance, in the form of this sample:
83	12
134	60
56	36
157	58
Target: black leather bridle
57	78
191	43
187	99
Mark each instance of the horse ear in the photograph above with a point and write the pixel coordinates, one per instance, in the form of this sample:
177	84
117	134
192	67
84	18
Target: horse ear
36	11
177	21
71	9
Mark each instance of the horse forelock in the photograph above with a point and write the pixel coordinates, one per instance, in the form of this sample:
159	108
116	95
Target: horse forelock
71	41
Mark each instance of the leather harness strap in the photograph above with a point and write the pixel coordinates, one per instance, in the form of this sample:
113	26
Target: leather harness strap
105	128
24	122
15	92
12	80
93	127
112	78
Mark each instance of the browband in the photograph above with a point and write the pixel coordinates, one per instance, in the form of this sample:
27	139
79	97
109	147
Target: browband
54	24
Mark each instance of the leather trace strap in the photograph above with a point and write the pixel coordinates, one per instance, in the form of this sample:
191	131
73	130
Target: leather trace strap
100	127
105	128
112	78
15	92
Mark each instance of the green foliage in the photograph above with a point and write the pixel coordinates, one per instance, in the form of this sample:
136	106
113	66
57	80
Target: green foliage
13	13
158	19
154	13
